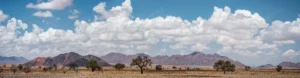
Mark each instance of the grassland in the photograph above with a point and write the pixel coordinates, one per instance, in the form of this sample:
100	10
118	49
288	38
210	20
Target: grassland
109	72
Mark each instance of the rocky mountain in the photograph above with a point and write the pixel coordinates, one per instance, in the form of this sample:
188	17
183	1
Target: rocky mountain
65	59
290	65
195	58
12	60
266	66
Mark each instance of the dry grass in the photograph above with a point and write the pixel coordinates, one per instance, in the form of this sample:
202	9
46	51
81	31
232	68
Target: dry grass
109	72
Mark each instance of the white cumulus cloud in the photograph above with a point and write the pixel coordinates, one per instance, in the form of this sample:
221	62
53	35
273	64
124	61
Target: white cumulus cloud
2	16
51	5
45	14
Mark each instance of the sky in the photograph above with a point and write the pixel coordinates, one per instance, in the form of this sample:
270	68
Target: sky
254	32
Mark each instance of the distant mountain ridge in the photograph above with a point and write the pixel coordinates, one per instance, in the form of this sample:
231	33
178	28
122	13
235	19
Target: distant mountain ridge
65	59
12	60
195	58
285	65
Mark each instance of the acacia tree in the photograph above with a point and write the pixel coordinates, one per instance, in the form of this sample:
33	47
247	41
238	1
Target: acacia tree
218	64
278	69
119	66
227	66
141	62
94	65
247	68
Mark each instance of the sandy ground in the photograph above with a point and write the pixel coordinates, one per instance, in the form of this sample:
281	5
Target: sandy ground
168	73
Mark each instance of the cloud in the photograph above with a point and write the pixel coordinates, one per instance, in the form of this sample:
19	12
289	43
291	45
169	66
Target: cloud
118	11
74	14
280	31
238	32
291	53
45	14
2	16
51	5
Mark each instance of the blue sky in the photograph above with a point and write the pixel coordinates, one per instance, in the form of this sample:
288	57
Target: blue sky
156	39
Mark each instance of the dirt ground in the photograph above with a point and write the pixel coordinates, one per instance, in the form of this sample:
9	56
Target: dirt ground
167	73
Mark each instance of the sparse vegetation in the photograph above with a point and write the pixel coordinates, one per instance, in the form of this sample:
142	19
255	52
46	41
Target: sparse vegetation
141	62
40	67
119	66
278	69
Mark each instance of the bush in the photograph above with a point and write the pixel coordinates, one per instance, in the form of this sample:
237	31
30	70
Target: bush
14	69
278	69
119	66
45	69
1	69
27	69
20	67
158	67
40	67
174	67
247	68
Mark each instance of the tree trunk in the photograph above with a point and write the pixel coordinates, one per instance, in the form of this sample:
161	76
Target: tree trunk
224	72
142	71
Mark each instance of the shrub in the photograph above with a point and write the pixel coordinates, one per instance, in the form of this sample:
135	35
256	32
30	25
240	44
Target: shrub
119	66
247	68
14	69
27	69
1	69
20	67
158	67
45	69
278	69
174	67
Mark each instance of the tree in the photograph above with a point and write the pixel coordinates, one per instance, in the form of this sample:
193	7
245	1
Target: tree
14	68
278	69
55	66
119	66
227	66
4	66
141	62
73	66
1	69
247	68
158	67
218	65
27	69
20	67
94	65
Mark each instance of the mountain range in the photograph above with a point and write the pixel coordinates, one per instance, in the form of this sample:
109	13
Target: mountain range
195	58
285	65
65	59
12	60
